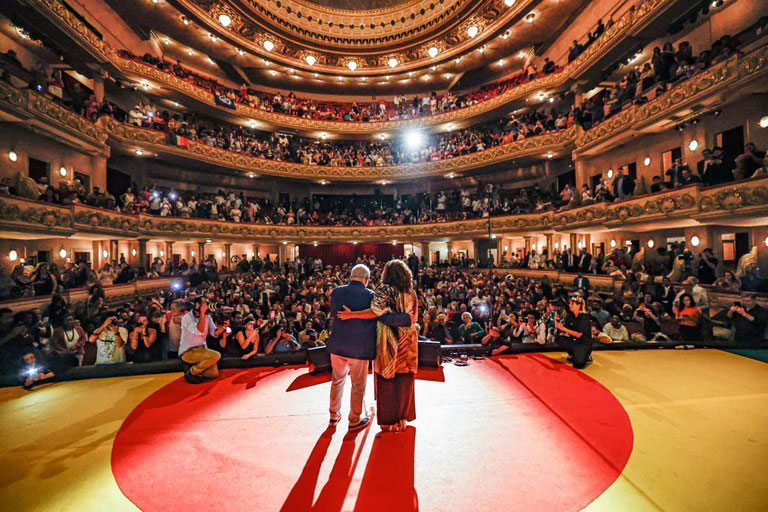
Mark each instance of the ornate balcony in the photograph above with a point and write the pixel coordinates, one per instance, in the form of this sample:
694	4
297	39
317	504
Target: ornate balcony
131	137
628	25
29	108
692	204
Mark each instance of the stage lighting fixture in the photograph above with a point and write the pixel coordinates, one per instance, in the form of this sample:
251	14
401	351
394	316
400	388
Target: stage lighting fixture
12	156
472	30
172	196
176	286
414	139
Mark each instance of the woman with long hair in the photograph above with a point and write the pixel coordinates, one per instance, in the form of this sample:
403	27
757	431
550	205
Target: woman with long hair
396	347
688	316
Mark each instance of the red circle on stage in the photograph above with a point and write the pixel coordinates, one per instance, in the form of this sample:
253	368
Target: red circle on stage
512	433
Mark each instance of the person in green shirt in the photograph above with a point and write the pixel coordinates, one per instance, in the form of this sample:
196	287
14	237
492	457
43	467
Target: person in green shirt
469	331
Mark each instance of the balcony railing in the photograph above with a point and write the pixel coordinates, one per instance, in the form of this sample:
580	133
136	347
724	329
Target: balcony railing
624	26
731	75
734	200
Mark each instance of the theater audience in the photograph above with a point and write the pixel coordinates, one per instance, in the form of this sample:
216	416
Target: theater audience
748	321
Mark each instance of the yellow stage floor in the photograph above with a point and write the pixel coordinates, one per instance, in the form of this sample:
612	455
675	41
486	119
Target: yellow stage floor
699	419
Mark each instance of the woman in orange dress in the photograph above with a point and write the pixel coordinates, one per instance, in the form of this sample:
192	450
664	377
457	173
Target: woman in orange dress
396	347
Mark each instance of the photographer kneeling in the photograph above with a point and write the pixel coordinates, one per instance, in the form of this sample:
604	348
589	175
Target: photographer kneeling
200	361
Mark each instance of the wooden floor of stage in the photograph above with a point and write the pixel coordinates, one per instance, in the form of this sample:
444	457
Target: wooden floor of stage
698	420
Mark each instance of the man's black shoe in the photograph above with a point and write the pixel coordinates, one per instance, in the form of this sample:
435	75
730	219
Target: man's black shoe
364	422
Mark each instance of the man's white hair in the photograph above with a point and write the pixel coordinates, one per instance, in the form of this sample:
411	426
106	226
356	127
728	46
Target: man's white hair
360	271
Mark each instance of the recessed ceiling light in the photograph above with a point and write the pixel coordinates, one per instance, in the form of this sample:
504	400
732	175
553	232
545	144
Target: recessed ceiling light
393	62
472	30
225	20
550	155
268	45
352	65
310	59
434	68
387	77
166	42
251	175
185	20
502	62
139	152
190	52
505	35
213	37
433	51
481	49
530	17
240	51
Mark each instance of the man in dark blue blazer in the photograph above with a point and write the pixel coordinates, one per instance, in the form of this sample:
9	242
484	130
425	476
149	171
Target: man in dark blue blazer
352	344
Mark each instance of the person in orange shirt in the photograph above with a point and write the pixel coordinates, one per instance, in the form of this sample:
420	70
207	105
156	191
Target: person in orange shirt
688	316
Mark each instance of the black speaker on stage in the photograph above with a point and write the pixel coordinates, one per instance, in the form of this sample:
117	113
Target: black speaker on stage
429	353
320	360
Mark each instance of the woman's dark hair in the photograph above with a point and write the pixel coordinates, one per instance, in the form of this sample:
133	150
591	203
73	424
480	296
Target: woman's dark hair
397	274
683	296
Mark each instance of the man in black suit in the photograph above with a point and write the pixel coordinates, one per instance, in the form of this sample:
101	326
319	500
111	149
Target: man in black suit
585	259
623	185
667	295
652	288
581	283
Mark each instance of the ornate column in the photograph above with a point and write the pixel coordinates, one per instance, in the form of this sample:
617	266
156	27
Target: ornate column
227	256
143	263
550	245
200	252
573	241
527	241
114	250
98	88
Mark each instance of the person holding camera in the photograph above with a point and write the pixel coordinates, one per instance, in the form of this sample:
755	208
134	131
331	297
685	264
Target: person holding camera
200	361
142	341
575	334
35	370
110	340
748	320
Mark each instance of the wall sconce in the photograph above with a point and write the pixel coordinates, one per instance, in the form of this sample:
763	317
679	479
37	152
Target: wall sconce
695	241
13	255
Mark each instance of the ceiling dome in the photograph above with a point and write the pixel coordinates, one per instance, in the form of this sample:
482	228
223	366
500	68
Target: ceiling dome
359	5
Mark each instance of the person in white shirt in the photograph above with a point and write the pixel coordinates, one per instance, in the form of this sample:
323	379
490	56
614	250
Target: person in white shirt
110	340
195	327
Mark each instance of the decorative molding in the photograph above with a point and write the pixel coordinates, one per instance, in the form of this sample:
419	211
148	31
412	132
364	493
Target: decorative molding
741	199
622	26
32	104
134	135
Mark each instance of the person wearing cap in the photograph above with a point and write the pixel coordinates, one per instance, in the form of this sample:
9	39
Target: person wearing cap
575	334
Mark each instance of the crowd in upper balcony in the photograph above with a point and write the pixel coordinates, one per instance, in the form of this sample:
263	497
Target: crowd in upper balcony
377	109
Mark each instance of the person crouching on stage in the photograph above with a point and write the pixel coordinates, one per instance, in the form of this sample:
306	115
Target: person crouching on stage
576	334
200	362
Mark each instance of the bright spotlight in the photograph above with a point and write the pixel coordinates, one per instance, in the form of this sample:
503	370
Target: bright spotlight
414	139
